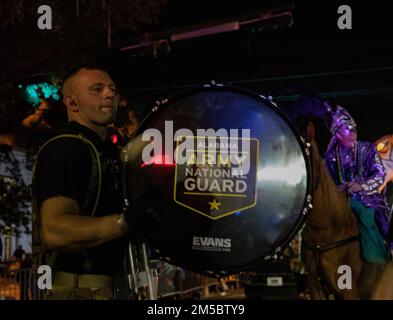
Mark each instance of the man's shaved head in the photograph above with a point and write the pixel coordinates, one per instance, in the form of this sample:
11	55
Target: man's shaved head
68	86
89	94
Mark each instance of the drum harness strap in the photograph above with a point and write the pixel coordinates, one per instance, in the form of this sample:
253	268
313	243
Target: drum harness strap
319	249
94	188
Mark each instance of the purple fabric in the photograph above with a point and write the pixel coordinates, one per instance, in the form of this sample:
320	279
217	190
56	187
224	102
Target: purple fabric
341	117
371	175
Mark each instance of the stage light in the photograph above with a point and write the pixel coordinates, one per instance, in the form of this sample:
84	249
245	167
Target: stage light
34	92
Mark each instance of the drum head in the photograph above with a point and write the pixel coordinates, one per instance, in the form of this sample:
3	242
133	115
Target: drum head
207	217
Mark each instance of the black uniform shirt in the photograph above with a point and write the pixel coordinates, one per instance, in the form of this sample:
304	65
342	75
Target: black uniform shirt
63	168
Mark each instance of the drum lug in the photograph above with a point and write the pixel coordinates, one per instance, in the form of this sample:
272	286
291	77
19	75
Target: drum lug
270	99
212	83
309	205
159	103
275	255
308	148
307	145
277	252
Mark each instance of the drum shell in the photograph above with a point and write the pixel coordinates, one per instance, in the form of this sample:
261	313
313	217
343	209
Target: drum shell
256	232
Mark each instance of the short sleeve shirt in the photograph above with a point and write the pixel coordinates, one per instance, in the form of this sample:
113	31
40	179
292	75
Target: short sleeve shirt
63	168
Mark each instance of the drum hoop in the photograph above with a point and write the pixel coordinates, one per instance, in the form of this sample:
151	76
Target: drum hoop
304	146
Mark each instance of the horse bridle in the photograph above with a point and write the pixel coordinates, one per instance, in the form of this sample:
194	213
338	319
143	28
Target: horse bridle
319	249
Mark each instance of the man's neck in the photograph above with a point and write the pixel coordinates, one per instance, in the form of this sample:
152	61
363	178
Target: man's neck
99	130
348	147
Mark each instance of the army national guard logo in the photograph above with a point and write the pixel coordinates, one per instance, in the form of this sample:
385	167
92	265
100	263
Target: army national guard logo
216	177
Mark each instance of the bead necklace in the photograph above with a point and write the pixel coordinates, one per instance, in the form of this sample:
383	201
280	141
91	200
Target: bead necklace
340	169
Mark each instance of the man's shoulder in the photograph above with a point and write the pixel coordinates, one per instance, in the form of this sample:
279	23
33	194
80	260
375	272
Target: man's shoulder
63	150
64	143
67	137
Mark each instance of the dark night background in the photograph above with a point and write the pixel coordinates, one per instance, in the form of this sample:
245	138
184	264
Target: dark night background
311	57
353	68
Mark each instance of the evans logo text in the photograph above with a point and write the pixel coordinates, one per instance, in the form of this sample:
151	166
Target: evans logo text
211	244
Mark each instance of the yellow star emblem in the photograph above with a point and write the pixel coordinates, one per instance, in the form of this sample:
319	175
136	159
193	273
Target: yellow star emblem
214	205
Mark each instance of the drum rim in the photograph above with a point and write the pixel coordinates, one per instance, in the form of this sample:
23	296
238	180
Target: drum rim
306	152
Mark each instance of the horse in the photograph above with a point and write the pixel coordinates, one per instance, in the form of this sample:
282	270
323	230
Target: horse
330	237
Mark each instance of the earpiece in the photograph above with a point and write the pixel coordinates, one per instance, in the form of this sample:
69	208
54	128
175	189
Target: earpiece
74	106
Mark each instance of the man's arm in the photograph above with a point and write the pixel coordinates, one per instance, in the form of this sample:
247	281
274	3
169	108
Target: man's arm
377	172
63	228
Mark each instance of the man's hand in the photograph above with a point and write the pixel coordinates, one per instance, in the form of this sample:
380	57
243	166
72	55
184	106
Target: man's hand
354	187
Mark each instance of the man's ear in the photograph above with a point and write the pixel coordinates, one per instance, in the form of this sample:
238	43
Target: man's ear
70	102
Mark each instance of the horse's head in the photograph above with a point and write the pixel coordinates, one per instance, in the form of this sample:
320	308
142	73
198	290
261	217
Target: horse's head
331	210
310	116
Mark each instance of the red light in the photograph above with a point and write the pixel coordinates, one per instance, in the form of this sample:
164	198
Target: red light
159	160
114	139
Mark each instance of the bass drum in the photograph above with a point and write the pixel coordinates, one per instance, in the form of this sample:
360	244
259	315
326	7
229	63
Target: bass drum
222	205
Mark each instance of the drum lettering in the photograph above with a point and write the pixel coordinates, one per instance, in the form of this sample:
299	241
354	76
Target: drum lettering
223	160
239	188
227	186
209	173
217	173
217	145
219	242
238	173
212	158
212	242
213	185
209	242
227	243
